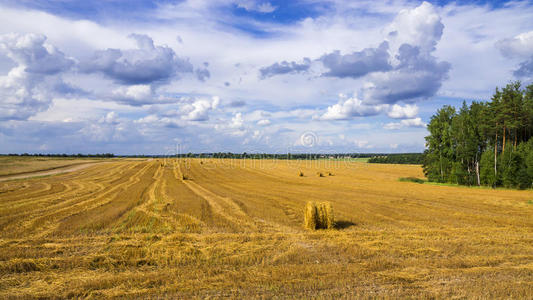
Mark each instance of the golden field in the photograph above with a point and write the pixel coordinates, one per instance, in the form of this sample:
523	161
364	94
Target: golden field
234	228
16	165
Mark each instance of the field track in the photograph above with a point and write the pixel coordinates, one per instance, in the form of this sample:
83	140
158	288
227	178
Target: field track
48	172
213	228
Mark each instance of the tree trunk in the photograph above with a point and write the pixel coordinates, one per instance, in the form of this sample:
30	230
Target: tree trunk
441	173
477	173
495	156
503	139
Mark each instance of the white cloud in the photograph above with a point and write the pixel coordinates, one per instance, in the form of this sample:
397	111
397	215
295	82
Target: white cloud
263	122
146	64
421	27
519	46
416	122
237	121
110	118
153	101
137	93
403	112
199	109
253	5
28	87
350	108
33	53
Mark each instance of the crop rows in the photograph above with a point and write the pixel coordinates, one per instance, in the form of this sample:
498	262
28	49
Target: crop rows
185	228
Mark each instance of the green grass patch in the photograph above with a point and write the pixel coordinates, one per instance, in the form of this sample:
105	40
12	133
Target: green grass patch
412	179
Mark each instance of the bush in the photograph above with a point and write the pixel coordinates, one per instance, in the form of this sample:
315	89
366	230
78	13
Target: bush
412	179
319	216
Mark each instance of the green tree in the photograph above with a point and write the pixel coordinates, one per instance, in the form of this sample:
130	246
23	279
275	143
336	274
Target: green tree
487	168
439	154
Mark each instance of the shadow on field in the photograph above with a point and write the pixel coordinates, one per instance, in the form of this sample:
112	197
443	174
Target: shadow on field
343	224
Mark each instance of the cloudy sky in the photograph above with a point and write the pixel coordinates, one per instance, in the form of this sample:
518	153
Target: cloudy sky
142	77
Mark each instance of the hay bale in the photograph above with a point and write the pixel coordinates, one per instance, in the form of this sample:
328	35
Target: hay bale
319	216
328	218
301	174
319	174
310	216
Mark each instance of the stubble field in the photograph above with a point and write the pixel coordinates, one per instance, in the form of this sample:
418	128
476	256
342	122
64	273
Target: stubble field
182	228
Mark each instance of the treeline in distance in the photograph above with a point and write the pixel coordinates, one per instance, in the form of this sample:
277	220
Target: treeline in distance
486	143
400	158
101	155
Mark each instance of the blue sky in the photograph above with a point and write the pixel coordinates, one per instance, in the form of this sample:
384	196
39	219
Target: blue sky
146	77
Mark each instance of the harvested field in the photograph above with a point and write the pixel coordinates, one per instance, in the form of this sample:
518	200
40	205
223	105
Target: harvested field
234	228
20	165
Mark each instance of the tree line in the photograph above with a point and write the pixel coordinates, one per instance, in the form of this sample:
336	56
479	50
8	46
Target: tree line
100	155
484	143
400	158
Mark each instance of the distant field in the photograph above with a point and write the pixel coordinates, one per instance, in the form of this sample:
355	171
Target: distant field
354	159
233	228
10	165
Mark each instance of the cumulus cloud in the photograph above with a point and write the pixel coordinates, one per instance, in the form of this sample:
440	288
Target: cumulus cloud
416	122
358	63
28	87
421	27
110	118
253	5
134	94
144	65
402	68
285	68
417	76
31	51
525	69
237	121
263	122
402	112
350	108
518	46
199	109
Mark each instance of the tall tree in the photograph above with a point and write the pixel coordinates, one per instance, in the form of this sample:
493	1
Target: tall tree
484	143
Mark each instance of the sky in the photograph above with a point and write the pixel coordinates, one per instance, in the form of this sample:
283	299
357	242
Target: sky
320	76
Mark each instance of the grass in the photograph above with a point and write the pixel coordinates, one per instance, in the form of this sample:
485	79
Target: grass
134	229
412	179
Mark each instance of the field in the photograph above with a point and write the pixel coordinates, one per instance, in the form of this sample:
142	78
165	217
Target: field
16	165
234	228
